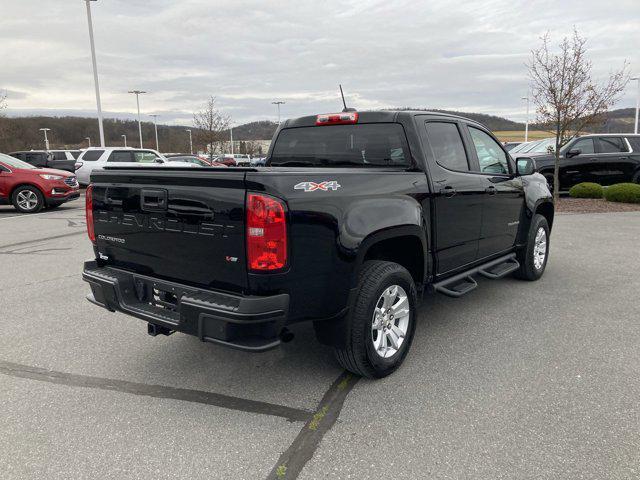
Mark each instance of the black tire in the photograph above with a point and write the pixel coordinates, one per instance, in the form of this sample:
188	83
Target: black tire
360	356
636	178
33	192
528	269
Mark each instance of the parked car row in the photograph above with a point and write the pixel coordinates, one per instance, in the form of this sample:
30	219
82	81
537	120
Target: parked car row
606	159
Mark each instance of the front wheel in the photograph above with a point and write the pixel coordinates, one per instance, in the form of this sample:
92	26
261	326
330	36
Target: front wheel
27	199
533	258
382	323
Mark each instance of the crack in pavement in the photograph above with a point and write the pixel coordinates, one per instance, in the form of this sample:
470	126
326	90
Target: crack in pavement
293	460
157	391
52	237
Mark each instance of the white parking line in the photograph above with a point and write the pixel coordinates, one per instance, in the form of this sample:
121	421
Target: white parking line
23	215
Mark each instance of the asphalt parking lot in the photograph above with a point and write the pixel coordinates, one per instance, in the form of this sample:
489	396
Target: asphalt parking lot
514	380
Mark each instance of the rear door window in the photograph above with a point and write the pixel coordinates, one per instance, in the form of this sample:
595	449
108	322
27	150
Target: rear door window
635	143
144	157
612	145
360	145
446	143
120	156
92	155
59	156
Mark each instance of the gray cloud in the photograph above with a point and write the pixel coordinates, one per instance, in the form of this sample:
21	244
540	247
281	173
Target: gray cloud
441	54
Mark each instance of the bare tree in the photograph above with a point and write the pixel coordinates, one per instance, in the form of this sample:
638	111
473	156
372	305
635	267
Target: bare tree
212	126
567	99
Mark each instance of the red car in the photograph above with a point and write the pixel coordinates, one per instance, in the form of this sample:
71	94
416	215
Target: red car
30	188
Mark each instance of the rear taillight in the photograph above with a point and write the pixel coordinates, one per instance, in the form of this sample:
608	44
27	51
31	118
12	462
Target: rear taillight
266	233
344	118
88	196
77	165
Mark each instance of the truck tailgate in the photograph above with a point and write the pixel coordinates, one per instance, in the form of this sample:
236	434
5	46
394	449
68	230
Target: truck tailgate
187	226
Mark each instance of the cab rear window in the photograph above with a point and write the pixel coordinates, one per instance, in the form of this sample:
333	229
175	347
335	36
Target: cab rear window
359	145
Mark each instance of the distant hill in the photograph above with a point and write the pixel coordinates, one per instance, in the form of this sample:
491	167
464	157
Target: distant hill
18	133
492	122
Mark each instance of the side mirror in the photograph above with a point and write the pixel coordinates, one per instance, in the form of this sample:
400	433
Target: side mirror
158	160
526	166
573	152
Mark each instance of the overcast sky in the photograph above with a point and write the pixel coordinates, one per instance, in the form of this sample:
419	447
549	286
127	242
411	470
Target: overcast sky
458	55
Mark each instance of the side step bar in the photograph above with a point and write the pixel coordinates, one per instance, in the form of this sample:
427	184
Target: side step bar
463	283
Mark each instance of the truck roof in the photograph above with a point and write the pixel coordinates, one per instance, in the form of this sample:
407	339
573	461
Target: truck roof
373	116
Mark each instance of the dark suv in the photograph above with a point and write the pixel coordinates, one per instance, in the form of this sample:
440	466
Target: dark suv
601	158
58	159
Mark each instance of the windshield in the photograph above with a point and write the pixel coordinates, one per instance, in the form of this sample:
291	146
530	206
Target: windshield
542	146
521	147
360	145
15	163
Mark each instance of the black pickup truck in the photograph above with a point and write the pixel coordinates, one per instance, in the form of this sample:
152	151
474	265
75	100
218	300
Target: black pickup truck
354	217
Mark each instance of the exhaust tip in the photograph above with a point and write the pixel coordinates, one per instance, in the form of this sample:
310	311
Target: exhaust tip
286	335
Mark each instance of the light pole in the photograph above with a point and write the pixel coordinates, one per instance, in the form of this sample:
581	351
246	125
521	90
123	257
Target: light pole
46	140
88	139
95	71
231	134
155	124
278	103
637	104
137	94
190	142
526	125
124	137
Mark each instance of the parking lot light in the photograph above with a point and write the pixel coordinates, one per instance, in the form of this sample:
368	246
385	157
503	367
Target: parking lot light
124	137
526	125
278	103
155	125
137	94
637	79
190	142
88	139
46	140
95	71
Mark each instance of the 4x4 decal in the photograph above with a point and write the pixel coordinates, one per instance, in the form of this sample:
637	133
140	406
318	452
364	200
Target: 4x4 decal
313	186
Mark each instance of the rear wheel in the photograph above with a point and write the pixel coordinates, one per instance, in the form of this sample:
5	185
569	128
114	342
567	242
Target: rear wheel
533	258
27	199
382	323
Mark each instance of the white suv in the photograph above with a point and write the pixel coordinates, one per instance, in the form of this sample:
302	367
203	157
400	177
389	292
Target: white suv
95	158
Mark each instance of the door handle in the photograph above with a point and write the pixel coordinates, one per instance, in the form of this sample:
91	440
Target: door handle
491	190
153	200
448	191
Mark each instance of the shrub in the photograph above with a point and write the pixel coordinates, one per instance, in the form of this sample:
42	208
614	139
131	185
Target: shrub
586	190
623	192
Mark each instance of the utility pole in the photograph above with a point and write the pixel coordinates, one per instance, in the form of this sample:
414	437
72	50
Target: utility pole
137	94
190	142
46	140
155	125
526	125
231	133
88	139
637	104
124	137
278	103
95	71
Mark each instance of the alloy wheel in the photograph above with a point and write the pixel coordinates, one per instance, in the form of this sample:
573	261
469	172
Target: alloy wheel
390	321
